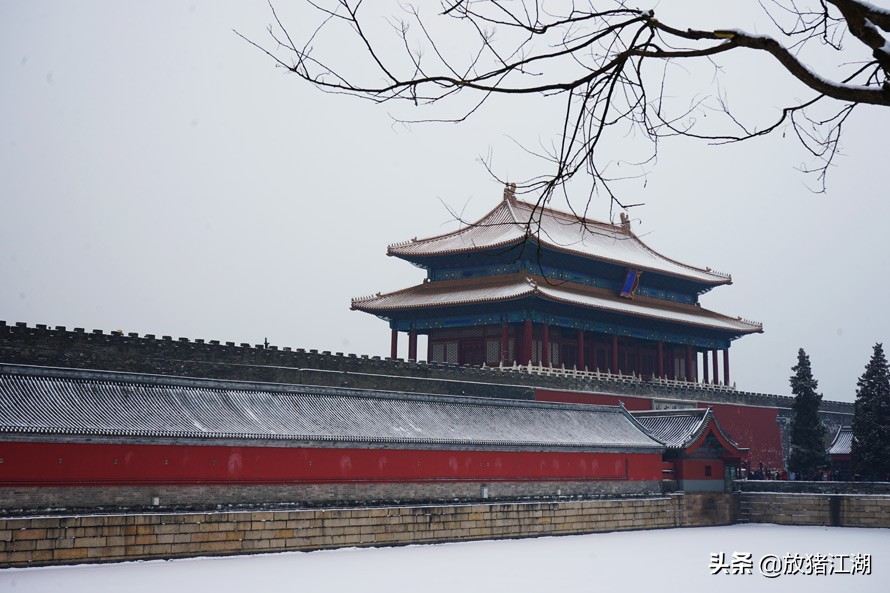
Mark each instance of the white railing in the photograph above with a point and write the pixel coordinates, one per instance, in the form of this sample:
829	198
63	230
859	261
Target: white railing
561	371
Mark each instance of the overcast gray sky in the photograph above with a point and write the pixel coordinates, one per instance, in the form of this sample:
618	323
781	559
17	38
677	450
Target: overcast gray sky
158	175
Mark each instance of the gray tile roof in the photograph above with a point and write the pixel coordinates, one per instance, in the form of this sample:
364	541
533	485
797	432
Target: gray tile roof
673	429
843	442
39	400
678	429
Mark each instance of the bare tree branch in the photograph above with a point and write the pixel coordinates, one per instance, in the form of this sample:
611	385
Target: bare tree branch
599	60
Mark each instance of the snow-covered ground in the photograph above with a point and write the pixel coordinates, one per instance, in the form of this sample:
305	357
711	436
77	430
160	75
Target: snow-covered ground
663	560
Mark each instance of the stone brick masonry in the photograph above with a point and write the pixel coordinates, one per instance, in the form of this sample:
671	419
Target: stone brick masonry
34	541
841	510
104	538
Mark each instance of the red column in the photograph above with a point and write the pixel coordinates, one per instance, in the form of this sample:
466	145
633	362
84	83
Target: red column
581	365
688	362
660	359
726	367
394	346
545	345
527	342
716	378
592	364
412	345
704	365
614	365
505	344
670	357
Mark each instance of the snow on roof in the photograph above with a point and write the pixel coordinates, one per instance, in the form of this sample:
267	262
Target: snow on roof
38	400
513	221
673	429
843	442
504	288
679	429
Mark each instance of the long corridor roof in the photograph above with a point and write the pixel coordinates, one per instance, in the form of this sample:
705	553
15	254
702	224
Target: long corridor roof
40	400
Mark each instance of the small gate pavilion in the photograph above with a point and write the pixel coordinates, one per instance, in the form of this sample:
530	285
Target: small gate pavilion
699	454
534	285
840	452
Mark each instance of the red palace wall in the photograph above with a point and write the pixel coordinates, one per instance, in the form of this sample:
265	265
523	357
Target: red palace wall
35	464
752	427
695	469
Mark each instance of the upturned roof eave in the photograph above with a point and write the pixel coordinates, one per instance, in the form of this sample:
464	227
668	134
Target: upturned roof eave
717	278
420	258
708	423
739	332
399	249
424	260
535	291
357	304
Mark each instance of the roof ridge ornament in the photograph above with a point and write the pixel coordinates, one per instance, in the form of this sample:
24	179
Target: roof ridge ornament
625	223
509	192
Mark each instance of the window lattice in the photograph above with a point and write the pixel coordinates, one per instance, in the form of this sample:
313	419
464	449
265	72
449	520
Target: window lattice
451	352
492	352
554	354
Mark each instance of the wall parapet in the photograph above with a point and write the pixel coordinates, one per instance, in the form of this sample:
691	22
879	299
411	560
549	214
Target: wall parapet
116	350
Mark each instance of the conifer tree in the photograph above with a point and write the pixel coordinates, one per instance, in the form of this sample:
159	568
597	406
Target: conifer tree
808	453
871	420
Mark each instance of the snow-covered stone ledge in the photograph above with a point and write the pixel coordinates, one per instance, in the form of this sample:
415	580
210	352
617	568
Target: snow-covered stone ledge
33	541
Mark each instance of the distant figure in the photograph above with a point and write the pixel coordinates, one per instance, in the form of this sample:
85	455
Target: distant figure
266	343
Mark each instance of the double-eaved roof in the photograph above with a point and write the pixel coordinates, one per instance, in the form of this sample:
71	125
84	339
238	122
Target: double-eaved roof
513	221
66	403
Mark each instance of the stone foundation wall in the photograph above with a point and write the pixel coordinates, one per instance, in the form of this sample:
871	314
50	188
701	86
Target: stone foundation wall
18	500
840	510
104	538
34	541
705	509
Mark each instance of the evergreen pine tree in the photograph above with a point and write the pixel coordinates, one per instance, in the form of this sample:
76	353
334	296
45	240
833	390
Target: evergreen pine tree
808	453
871	420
